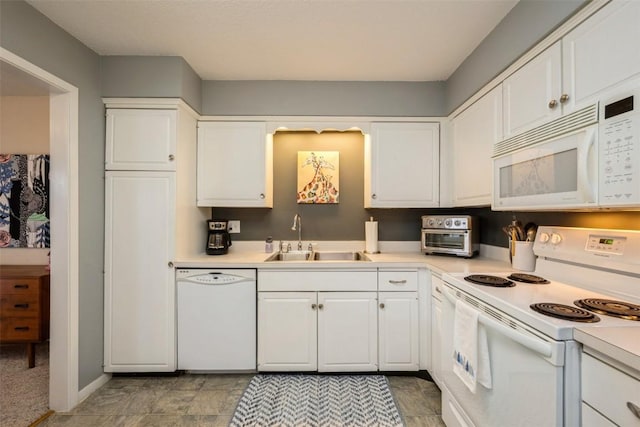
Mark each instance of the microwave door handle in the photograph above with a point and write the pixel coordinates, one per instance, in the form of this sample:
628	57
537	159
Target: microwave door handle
588	173
541	347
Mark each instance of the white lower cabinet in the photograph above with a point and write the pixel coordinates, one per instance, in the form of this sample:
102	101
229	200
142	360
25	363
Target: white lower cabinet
324	331
398	331
436	329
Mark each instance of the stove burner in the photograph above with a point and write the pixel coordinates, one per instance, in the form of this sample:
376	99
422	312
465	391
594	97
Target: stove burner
609	307
527	278
486	280
566	312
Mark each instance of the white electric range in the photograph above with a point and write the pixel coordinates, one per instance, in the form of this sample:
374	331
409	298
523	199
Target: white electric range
534	360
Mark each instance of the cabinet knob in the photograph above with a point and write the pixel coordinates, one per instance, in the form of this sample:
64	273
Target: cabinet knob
438	290
553	103
564	98
313	306
171	157
170	264
381	305
635	409
262	195
320	306
373	196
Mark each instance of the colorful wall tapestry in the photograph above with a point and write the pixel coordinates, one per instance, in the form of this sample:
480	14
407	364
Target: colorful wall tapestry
318	176
24	200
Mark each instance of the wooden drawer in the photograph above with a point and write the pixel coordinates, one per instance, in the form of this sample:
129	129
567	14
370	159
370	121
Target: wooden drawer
398	281
20	329
19	306
607	390
19	287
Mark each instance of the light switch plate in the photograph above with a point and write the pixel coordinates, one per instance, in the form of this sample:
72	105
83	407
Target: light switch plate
234	226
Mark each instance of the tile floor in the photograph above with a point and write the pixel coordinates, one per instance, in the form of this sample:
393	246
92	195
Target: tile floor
210	400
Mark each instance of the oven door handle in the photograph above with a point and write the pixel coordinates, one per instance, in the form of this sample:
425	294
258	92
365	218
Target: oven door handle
543	348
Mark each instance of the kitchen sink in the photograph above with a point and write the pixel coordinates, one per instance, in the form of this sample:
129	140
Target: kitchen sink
317	256
340	256
290	256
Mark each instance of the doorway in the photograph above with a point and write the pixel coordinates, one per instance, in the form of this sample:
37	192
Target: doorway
63	122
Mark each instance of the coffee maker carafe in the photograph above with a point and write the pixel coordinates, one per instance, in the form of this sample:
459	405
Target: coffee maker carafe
219	239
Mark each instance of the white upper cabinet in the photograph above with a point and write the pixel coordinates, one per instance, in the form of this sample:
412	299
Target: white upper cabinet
532	94
138	139
601	52
473	134
402	165
234	165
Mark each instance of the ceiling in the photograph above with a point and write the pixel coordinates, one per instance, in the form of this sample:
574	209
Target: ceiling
332	40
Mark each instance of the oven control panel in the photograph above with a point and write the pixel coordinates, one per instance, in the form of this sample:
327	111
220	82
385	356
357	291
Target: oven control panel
447	222
606	244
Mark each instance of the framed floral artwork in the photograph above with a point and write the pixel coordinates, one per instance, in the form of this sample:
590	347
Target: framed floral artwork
318	176
24	200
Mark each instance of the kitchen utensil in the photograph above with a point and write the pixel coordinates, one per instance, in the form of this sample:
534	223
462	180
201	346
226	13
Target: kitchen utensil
530	230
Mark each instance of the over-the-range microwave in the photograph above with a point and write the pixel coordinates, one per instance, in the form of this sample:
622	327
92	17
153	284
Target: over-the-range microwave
587	159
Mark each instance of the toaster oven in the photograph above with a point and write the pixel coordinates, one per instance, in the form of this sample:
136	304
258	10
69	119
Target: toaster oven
451	235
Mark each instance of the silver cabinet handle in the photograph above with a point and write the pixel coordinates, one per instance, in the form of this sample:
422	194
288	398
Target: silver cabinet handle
564	98
635	409
553	103
381	305
313	306
262	195
373	196
171	157
438	290
320	306
170	264
397	282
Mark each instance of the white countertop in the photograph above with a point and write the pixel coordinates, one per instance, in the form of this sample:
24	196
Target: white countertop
621	344
413	259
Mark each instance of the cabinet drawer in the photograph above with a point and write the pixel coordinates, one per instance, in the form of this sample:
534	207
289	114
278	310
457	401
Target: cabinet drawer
398	280
436	287
19	329
19	287
19	306
609	390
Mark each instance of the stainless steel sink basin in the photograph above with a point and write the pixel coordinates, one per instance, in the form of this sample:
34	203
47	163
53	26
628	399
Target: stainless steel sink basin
290	256
340	256
317	256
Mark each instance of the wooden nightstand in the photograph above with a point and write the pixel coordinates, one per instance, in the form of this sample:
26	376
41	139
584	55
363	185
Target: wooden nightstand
24	306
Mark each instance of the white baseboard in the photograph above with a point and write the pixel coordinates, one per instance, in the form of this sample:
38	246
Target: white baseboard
93	386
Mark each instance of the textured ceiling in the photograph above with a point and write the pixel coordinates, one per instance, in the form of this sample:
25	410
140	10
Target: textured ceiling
358	40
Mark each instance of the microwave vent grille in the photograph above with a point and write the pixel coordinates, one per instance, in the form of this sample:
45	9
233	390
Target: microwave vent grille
563	125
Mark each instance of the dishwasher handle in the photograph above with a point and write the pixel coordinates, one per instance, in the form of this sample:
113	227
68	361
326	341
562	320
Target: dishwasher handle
216	279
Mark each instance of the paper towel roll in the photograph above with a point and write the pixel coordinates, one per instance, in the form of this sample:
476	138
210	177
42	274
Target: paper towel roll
371	237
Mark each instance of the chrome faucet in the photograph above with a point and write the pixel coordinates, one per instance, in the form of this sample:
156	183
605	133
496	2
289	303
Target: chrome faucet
297	224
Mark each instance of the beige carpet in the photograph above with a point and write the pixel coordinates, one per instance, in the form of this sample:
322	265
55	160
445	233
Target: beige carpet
24	393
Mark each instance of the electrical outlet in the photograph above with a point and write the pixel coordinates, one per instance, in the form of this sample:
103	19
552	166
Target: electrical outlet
234	226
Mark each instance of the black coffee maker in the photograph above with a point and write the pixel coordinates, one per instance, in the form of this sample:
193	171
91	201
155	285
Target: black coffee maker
219	239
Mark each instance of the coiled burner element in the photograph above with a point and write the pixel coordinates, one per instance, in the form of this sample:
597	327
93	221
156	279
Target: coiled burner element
565	312
487	280
528	278
621	309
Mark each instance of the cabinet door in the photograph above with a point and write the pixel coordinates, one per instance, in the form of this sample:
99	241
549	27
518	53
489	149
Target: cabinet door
139	283
474	132
402	165
347	331
398	331
531	94
287	324
234	165
140	139
601	52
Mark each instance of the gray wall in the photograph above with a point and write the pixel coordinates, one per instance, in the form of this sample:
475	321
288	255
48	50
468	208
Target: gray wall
29	34
302	98
525	25
151	77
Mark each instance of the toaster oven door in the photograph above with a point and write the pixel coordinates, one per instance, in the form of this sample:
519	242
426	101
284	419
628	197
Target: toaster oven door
441	241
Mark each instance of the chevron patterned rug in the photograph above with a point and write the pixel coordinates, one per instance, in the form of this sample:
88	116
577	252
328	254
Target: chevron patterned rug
316	401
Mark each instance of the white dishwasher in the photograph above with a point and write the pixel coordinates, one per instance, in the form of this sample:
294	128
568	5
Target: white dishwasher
216	319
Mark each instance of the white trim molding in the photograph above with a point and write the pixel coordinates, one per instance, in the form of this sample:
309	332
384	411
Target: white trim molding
93	386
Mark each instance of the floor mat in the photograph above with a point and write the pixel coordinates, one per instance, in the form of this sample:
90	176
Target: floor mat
317	400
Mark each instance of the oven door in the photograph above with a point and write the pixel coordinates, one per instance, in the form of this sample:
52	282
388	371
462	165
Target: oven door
526	372
556	174
441	241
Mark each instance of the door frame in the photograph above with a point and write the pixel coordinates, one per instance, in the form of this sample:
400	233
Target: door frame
64	212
